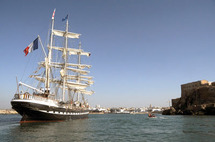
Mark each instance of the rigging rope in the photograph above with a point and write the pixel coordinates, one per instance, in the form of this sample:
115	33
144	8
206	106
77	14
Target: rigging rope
25	68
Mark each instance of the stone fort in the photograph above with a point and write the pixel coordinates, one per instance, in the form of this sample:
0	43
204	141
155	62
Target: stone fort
203	88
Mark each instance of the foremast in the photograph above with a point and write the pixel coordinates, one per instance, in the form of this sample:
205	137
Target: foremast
48	60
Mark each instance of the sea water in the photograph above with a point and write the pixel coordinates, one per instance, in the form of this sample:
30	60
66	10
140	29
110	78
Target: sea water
111	127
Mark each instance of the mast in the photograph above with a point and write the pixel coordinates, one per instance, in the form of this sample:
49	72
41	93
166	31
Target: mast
79	60
78	74
65	58
48	60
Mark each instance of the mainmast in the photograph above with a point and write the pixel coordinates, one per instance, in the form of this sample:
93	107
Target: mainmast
65	58
78	74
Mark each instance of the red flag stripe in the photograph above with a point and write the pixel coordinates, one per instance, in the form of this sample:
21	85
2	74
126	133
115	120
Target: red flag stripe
26	51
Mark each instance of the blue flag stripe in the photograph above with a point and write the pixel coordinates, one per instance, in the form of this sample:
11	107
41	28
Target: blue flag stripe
35	44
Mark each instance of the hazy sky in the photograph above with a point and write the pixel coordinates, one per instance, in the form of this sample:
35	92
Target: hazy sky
142	50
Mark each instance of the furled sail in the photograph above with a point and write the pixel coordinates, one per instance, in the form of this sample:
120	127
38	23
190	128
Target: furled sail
86	92
72	51
84	72
74	77
68	83
65	34
81	66
61	65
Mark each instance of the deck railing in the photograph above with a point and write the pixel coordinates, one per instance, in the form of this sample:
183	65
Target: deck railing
28	96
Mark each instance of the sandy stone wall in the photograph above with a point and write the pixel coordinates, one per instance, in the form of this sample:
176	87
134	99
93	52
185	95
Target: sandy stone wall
8	111
188	88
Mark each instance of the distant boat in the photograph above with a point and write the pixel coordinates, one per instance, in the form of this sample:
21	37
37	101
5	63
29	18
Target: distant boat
151	115
122	111
56	78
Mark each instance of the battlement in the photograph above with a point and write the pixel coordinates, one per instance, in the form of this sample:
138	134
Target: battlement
187	88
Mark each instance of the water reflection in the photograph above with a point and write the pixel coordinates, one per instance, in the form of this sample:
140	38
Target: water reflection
51	131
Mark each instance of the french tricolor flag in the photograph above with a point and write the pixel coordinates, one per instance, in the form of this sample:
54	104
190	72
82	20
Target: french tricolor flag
31	47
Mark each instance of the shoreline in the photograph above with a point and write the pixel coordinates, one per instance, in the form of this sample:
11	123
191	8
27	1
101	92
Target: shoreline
11	111
118	113
8	111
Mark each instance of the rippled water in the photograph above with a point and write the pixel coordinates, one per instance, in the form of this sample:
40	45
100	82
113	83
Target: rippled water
111	127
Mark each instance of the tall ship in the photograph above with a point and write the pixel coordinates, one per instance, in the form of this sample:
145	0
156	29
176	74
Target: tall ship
62	81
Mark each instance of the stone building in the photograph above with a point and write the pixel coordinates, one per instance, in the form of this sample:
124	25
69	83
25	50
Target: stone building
187	88
197	98
175	101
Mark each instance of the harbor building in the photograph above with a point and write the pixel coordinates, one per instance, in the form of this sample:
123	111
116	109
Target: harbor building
197	98
187	88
